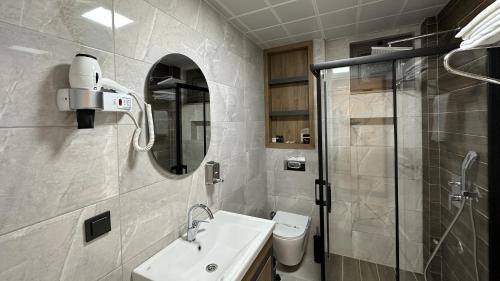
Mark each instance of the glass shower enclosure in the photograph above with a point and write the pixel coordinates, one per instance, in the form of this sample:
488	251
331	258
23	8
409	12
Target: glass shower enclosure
405	168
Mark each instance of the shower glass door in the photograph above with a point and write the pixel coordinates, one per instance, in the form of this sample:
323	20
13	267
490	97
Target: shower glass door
358	144
407	165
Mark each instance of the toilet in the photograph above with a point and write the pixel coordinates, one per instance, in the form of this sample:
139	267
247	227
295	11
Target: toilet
290	237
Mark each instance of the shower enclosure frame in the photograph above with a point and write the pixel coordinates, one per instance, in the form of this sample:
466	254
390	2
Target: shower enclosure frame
323	188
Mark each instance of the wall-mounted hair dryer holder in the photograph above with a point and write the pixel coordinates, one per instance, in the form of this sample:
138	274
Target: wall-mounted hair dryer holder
85	102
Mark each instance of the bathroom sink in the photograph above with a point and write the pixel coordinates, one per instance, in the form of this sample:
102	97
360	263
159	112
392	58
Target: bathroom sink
224	249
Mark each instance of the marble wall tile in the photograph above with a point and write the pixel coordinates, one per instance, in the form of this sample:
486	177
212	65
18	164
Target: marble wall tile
374	248
38	66
211	23
255	194
150	213
11	11
167	35
226	102
372	135
54	170
55	249
153	206
115	275
228	139
341	229
224	67
371	105
340	159
136	169
64	19
132	40
373	161
132	263
132	74
254	111
344	187
337	106
187	11
410	163
375	191
373	219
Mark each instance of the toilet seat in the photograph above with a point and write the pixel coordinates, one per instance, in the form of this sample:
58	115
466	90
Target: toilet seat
290	225
290	237
288	232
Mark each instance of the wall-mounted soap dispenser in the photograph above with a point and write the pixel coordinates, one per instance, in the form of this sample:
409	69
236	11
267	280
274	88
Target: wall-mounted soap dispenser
212	173
90	92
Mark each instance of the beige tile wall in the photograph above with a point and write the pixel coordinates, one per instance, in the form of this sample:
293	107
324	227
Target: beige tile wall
53	176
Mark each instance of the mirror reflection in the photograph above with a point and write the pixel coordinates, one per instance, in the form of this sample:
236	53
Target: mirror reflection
180	100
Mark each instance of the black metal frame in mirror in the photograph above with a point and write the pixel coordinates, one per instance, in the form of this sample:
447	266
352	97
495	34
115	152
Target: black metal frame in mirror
179	96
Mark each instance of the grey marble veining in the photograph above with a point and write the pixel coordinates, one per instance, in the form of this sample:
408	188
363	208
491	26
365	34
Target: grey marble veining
54	170
38	65
64	19
11	10
66	175
150	213
55	249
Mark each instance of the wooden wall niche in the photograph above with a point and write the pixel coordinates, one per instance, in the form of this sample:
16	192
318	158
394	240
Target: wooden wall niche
289	95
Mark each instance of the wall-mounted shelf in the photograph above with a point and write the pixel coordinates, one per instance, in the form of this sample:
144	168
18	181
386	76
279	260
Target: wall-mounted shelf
289	113
291	80
289	95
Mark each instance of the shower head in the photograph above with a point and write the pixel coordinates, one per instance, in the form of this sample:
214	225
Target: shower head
469	160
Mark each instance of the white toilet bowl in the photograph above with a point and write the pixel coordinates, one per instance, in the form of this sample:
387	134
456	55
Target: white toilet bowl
290	237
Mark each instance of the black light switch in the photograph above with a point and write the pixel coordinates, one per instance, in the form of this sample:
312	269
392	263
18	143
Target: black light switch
97	226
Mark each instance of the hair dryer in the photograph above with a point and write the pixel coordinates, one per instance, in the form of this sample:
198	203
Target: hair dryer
85	73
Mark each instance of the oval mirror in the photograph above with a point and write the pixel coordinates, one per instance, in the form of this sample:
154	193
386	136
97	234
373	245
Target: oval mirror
178	93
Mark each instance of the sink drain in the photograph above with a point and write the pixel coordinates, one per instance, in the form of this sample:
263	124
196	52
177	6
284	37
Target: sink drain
211	267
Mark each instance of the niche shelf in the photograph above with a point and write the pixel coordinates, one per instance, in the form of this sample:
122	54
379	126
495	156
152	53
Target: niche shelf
289	95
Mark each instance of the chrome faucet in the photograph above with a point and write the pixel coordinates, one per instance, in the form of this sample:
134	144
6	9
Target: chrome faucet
193	225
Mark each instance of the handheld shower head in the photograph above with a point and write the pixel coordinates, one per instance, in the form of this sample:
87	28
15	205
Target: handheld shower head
469	160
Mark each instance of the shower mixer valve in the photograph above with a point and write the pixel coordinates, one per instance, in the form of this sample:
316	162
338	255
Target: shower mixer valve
460	185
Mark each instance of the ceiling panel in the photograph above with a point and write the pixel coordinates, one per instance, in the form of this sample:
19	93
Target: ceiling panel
259	20
376	25
295	10
380	9
339	32
238	7
271	33
339	18
325	6
273	22
302	26
421	4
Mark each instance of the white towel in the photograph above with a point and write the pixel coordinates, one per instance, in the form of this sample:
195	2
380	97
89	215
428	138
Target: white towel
490	38
491	9
484	27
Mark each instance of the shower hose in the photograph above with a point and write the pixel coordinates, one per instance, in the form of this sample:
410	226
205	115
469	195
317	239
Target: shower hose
474	243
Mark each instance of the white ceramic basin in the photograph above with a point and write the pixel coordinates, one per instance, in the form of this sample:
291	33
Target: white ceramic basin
230	240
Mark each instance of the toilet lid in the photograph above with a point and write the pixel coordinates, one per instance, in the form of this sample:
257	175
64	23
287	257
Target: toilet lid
289	225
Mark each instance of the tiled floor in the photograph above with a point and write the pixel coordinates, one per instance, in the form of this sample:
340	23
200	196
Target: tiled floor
348	269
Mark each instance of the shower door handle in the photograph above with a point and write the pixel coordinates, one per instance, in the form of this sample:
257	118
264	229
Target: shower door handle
329	197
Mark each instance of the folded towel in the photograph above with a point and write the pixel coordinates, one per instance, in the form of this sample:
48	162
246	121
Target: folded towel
491	9
487	39
484	27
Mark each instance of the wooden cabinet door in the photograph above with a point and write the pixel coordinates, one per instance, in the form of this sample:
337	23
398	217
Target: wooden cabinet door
267	271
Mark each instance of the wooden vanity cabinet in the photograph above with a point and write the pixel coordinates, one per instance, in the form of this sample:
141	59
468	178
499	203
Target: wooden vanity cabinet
262	267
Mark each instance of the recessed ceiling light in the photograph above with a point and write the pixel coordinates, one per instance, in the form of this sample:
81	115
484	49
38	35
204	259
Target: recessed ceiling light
27	50
103	16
